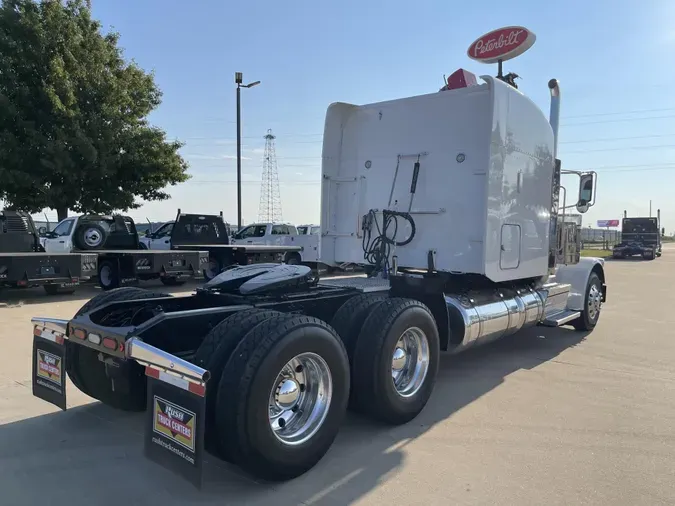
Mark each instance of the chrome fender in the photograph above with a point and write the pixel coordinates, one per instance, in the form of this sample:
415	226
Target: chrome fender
576	275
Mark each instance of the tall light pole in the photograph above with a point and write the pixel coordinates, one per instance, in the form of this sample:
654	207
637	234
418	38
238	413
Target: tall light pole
239	79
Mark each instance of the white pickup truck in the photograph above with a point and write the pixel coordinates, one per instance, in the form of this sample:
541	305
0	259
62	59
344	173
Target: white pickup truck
160	239
283	234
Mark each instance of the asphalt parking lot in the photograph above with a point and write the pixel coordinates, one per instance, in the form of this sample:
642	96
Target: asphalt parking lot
550	416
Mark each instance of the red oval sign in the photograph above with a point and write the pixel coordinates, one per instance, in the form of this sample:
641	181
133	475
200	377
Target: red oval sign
501	44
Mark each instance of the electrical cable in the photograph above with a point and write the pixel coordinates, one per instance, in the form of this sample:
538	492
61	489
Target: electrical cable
377	248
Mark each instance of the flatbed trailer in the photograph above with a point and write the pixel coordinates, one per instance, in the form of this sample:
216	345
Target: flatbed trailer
235	254
121	259
24	263
128	267
57	273
260	364
209	233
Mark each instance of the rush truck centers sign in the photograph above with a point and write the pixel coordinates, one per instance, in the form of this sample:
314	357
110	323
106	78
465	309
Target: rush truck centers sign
502	44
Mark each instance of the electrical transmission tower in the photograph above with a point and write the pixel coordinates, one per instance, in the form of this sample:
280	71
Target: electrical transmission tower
270	197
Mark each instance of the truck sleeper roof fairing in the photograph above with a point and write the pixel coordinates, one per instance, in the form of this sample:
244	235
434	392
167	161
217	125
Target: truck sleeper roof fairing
483	158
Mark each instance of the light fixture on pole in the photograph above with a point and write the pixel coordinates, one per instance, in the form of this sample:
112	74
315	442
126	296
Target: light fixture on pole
239	79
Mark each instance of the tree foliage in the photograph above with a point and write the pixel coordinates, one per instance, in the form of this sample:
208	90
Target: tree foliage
74	132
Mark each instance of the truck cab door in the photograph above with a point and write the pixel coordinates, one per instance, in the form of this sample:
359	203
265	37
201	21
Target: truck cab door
61	238
278	235
161	240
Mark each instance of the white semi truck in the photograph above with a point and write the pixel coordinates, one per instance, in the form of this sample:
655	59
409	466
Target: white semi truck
451	197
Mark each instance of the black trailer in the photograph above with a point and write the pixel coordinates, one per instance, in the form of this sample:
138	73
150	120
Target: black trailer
24	263
640	236
210	233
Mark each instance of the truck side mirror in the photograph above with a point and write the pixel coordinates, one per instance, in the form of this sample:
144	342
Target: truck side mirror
585	193
42	230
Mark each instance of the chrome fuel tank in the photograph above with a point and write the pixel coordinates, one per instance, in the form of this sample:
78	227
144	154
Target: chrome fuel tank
484	316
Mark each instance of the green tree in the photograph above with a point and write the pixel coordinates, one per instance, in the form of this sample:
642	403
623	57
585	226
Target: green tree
74	132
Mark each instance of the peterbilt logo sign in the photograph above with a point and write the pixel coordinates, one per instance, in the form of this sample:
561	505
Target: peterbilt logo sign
502	44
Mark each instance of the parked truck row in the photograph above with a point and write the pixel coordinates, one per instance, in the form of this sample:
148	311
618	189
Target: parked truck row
464	239
108	249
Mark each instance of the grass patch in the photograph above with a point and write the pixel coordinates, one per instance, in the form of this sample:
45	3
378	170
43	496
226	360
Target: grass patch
597	253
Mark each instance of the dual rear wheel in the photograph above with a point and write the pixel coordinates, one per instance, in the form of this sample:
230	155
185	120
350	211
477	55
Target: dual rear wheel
281	383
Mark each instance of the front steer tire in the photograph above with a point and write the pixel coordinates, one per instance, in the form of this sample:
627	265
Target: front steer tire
88	373
589	317
373	388
246	387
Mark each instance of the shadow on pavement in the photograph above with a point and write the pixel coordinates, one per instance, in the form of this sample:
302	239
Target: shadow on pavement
36	295
93	453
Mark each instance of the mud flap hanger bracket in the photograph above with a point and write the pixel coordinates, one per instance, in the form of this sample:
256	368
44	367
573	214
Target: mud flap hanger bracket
168	368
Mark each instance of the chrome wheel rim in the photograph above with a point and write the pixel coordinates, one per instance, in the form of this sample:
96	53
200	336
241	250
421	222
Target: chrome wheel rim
410	362
300	399
92	237
105	275
594	302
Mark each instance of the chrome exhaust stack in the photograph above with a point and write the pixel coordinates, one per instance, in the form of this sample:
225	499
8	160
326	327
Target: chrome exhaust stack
554	117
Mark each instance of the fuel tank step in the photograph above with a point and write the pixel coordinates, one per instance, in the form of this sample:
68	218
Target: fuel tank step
559	318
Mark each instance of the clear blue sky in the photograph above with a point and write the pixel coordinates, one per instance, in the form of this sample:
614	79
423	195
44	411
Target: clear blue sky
611	59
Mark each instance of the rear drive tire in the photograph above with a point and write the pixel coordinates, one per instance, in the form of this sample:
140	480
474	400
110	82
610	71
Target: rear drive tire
108	275
395	361
349	318
260	436
214	352
348	322
87	372
592	305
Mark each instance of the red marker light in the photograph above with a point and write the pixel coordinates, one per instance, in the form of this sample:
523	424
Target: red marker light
109	343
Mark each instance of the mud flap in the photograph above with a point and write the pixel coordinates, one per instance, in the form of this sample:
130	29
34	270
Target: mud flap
49	369
174	427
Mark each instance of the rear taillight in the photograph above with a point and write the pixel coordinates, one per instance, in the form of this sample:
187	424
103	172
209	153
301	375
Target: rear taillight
109	343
